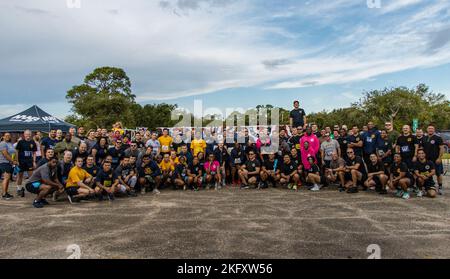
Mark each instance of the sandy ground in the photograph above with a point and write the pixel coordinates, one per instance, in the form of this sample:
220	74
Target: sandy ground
231	223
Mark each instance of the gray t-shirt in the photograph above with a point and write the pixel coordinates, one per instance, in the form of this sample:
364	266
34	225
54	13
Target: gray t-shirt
90	144
9	147
328	148
337	164
43	172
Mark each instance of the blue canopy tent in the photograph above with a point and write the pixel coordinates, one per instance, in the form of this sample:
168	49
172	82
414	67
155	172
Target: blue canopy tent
34	119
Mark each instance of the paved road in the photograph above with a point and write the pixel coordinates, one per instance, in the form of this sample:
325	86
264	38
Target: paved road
231	223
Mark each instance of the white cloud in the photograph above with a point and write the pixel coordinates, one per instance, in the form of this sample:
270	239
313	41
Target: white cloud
395	5
180	48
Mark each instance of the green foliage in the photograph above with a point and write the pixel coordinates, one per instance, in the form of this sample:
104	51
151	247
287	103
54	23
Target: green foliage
103	99
399	105
153	116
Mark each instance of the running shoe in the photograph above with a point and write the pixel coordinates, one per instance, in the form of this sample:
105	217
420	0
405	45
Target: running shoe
7	196
37	204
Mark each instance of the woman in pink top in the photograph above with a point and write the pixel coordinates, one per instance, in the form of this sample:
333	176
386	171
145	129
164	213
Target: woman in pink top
212	169
307	152
313	141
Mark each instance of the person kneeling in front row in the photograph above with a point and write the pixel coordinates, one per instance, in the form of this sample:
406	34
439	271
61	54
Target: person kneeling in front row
43	182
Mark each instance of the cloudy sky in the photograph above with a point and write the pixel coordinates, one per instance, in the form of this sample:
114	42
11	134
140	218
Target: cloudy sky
228	53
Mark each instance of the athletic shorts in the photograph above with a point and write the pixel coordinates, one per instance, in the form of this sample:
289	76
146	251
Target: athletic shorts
348	176
72	191
6	168
439	169
254	175
26	166
122	188
150	179
429	184
33	187
376	179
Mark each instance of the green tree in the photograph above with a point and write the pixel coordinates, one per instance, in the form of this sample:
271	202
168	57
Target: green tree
153	115
399	105
104	98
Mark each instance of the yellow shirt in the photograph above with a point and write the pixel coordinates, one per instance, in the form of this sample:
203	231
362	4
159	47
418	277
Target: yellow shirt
166	142
175	161
198	145
166	166
76	175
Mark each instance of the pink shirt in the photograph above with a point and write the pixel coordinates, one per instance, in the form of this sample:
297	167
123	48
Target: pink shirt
313	141
305	155
213	167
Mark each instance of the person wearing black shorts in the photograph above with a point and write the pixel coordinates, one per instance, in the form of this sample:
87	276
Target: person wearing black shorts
297	117
355	171
107	182
313	174
149	175
26	152
424	170
289	174
270	171
195	174
433	146
400	177
43	182
376	176
249	172
407	147
7	162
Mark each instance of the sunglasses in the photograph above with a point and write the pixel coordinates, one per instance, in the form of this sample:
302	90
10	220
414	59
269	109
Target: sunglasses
349	152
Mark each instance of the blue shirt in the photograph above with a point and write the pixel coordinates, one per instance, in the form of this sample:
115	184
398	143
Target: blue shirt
371	140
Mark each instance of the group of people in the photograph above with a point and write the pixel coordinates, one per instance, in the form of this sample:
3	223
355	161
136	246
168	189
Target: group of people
103	164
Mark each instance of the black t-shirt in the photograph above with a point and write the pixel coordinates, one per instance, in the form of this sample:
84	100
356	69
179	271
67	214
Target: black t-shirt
424	167
25	150
237	156
287	169
272	165
297	160
123	171
297	117
354	161
63	170
77	154
431	146
150	169
94	170
102	152
313	169
221	155
396	169
407	146
195	169
420	141
107	179
343	143
252	165
181	170
140	144
371	168
116	154
355	139
49	143
294	141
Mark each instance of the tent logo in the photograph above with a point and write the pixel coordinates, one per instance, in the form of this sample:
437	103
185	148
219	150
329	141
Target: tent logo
28	119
